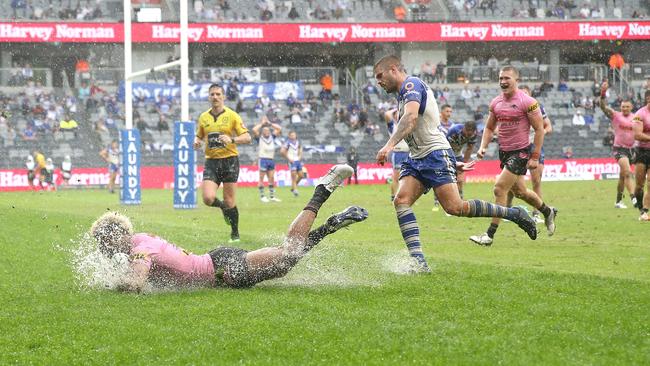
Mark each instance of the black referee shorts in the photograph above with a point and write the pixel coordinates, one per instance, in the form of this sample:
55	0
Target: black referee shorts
225	170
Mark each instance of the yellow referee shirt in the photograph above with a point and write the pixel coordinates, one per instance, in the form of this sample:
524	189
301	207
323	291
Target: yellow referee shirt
40	161
229	123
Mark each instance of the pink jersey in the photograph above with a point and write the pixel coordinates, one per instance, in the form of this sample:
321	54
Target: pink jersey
643	116
169	264
512	119
623	133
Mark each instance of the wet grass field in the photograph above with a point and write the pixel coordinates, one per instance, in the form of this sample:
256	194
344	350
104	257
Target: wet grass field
580	297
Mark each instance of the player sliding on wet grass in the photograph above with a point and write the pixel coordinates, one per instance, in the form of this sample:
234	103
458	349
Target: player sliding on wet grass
431	163
153	260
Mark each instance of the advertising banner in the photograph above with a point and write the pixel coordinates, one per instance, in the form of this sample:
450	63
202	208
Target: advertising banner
130	192
199	92
184	165
328	32
162	177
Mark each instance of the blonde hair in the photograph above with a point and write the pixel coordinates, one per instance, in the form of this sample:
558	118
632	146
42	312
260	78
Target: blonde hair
113	232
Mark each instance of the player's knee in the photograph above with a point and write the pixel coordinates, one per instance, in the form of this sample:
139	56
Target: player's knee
400	201
208	199
455	209
499	191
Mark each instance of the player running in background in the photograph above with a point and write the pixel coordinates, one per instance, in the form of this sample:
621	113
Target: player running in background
445	125
31	165
154	261
292	151
48	177
66	169
445	118
641	169
266	134
458	136
400	151
536	174
222	129
623	147
514	112
111	154
431	163
40	169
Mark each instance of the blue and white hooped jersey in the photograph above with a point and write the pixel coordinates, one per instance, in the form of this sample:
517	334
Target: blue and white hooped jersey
457	139
426	137
266	147
113	155
293	149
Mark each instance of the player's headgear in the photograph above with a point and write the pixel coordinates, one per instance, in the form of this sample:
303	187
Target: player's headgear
112	231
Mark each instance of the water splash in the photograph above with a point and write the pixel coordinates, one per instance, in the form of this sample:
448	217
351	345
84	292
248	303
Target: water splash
92	269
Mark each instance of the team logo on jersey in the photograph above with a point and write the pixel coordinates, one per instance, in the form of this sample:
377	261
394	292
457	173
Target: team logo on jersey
533	107
637	119
409	85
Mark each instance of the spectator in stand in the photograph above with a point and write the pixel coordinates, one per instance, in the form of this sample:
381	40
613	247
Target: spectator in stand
293	13
141	125
327	83
291	100
295	116
578	118
567	152
466	94
584	12
162	125
29	134
399	12
68	124
440	72
258	108
562	86
616	63
83	92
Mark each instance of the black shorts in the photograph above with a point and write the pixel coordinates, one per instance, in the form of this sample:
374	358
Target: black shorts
230	268
642	156
515	161
622	152
224	170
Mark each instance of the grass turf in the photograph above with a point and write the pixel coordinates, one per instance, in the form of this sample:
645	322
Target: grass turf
580	297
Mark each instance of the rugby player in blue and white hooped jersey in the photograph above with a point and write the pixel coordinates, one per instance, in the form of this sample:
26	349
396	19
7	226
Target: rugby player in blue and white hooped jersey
459	136
400	151
292	150
431	162
266	134
111	154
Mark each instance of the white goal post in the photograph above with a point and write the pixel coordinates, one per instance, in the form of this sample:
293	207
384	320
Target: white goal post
129	75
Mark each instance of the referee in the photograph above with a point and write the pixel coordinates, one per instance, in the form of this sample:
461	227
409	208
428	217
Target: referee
222	129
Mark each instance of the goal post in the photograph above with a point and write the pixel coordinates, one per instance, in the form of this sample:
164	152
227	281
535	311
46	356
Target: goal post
184	166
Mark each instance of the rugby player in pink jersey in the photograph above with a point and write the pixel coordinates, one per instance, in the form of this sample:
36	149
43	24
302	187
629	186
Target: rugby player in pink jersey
641	169
158	262
514	112
623	144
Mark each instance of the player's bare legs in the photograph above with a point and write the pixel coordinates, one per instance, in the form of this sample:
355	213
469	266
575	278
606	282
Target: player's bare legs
642	174
394	185
507	184
625	181
274	262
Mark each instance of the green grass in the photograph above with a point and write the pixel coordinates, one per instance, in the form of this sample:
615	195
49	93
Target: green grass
581	297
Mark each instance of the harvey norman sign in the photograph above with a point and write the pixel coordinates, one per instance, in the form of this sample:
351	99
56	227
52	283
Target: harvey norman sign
327	32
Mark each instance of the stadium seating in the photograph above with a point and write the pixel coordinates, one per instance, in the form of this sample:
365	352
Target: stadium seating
325	141
355	10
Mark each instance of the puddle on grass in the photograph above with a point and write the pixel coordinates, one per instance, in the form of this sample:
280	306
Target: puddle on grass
330	264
